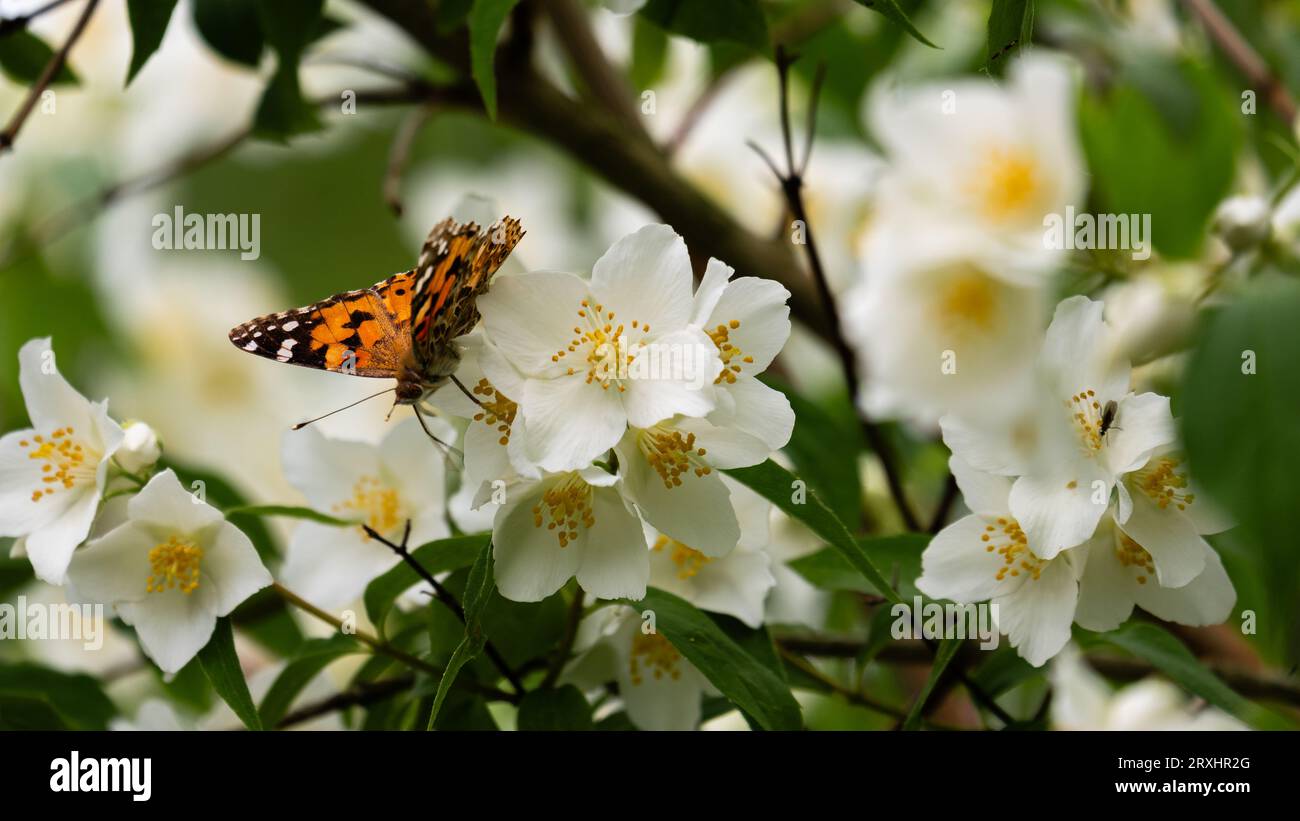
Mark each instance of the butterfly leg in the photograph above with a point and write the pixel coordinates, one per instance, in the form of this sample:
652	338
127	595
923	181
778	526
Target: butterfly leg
466	391
447	449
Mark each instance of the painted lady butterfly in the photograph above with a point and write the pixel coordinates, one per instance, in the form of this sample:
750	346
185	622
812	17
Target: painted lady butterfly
402	328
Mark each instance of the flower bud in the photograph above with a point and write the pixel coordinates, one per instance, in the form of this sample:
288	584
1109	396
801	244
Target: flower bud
1242	222
140	448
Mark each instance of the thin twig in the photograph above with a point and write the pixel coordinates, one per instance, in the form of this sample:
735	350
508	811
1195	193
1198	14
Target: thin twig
444	595
849	694
949	498
12	25
609	87
566	644
380	646
791	181
1244	57
361	694
400	155
52	68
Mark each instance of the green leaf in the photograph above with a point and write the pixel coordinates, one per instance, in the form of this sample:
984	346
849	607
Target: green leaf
1168	655
1239	402
824	447
649	54
947	649
778	485
288	26
149	19
828	569
478	592
711	21
485	21
561	708
290	511
895	14
1011	27
747	683
68	700
221	664
24	56
231	28
1163	142
435	557
314	656
1004	670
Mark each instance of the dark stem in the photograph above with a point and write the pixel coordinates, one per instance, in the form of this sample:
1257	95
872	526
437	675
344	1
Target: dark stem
52	68
443	595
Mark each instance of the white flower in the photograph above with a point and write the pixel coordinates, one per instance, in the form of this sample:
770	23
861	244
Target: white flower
53	474
936	330
170	571
140	448
597	355
568	524
736	584
154	715
1082	700
749	322
1243	221
381	486
996	160
1083	445
986	557
660	689
1156	558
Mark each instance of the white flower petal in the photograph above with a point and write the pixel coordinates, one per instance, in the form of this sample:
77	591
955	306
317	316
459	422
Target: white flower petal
758	410
697	512
1207	599
1058	511
725	447
50	549
989	445
165	503
983	492
115	567
716	275
646	276
326	470
569	422
531	317
958	565
51	401
331	566
678	378
1170	538
1036	617
530	564
232	565
19	476
1143	423
173	626
416	466
615	563
1107	588
1078	350
760	307
736	584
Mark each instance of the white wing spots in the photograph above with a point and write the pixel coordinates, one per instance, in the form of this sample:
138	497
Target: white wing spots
286	350
251	346
289	326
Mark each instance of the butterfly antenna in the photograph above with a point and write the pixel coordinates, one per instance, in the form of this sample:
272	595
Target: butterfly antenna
447	449
302	425
465	391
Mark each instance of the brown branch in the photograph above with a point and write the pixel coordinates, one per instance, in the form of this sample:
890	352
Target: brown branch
52	68
1244	57
607	86
400	154
1245	682
12	25
362	694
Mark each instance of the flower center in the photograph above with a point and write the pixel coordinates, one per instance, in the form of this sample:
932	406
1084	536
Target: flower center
378	506
1164	484
1004	536
67	461
599	347
498	411
653	655
1131	554
564	506
174	564
689	561
728	351
1085	412
968	298
671	454
1008	181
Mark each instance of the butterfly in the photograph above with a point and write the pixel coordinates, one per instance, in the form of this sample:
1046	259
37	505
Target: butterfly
403	327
